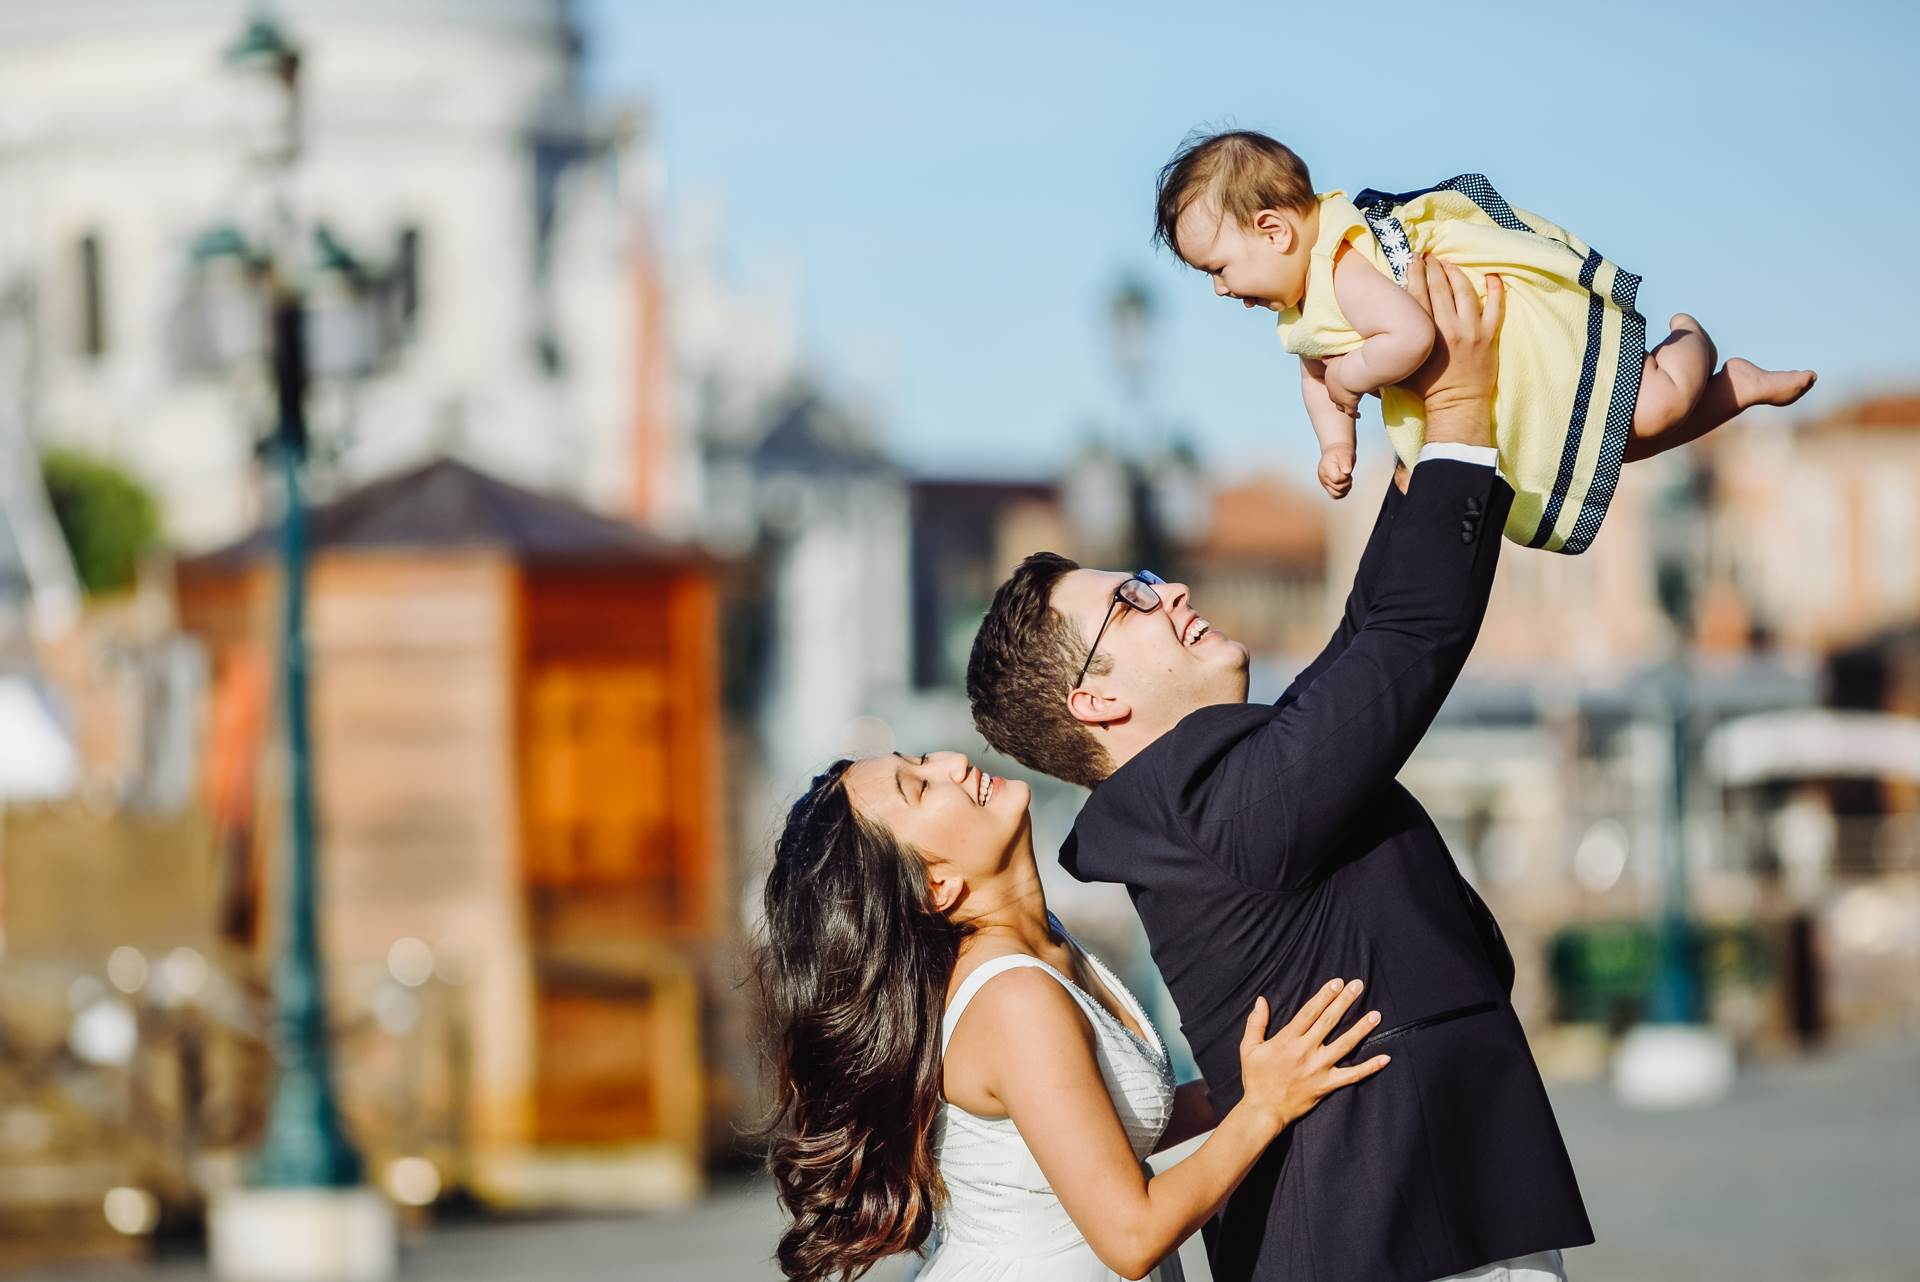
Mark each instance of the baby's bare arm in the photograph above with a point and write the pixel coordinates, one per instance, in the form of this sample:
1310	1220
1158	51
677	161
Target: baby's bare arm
1332	426
1398	334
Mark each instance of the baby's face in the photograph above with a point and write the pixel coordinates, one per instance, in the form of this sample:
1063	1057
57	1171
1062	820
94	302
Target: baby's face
1263	266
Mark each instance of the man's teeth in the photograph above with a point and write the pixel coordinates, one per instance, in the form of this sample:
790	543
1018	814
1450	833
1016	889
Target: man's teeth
1197	629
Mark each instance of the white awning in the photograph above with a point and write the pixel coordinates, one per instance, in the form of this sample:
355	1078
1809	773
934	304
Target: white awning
37	758
1814	743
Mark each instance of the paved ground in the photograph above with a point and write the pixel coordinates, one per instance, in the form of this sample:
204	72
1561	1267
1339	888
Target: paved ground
1810	1172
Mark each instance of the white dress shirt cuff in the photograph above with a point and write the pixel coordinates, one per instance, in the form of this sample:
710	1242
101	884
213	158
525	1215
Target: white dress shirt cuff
1485	455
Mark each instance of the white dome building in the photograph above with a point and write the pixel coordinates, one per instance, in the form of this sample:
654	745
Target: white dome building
445	145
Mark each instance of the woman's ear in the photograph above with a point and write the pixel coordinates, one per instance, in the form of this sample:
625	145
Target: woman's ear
1276	229
946	886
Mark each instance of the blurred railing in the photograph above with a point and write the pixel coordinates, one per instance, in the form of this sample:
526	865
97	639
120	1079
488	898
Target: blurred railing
124	1105
1871	847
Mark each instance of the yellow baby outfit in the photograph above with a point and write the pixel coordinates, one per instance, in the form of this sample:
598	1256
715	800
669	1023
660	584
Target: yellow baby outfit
1571	346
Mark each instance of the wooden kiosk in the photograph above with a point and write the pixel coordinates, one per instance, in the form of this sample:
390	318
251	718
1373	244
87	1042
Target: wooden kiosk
516	740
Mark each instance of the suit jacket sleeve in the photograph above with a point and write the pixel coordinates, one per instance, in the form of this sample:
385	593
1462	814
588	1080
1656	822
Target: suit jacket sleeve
1359	598
1269	806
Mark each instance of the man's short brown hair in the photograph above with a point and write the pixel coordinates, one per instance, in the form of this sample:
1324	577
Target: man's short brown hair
1024	662
1244	171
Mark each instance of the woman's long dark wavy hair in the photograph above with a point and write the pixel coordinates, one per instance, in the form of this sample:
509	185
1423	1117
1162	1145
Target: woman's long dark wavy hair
854	971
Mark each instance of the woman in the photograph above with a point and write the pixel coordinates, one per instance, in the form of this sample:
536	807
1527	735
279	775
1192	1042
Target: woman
953	1064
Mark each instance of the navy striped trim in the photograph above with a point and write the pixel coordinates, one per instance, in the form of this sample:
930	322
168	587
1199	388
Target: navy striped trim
1582	400
1376	206
1626	392
1476	188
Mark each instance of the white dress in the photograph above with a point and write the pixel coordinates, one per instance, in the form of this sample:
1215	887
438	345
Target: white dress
1002	1222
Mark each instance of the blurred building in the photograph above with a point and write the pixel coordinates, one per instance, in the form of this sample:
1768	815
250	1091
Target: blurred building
517	748
1259	566
1549	766
967	536
459	175
1817	523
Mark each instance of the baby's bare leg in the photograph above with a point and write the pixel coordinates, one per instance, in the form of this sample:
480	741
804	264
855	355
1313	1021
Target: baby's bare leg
1739	385
1674	376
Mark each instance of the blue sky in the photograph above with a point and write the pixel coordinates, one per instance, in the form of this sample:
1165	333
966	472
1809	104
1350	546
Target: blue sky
958	189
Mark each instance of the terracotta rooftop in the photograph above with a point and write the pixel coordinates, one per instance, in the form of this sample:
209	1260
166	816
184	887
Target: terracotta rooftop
1267	518
1893	412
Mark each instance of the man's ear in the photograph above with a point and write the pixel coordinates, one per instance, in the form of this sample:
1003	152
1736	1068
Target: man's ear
1093	709
1276	228
946	886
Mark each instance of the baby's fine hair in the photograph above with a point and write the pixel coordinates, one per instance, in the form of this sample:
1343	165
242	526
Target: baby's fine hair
1246	171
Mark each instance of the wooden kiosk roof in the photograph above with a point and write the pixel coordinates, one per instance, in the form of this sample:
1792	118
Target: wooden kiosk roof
448	504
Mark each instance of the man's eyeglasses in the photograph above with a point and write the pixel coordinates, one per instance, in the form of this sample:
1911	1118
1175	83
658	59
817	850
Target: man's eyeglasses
1135	593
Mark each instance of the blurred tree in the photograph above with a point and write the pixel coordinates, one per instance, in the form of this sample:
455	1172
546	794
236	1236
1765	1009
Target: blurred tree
107	517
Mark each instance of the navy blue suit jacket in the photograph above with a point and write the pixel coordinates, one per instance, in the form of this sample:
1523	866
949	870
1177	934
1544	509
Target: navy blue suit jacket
1269	849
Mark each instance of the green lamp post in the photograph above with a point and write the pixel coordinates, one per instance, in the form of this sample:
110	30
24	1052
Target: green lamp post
1675	1058
305	1212
305	1144
1678	541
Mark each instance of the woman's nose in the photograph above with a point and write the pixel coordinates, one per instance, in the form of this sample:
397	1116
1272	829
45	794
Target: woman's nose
955	764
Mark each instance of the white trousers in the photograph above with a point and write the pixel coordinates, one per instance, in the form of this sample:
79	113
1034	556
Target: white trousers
1545	1266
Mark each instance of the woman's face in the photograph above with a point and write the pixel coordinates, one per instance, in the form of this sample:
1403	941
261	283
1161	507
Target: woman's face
960	819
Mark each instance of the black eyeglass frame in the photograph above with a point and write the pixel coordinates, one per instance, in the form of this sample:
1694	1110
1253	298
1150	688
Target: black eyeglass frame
1146	579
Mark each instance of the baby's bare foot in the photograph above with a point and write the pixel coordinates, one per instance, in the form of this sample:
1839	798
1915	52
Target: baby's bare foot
1755	386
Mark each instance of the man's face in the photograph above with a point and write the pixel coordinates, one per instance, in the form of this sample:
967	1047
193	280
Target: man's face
1152	668
1260	265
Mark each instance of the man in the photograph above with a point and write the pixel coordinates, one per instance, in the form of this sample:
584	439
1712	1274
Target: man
1267	848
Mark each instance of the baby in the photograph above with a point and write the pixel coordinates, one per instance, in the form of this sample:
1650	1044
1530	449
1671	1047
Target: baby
1578	392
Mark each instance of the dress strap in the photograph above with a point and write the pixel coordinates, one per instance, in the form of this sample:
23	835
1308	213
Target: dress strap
974	982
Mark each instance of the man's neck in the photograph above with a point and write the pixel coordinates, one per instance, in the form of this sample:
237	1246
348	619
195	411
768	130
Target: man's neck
1125	740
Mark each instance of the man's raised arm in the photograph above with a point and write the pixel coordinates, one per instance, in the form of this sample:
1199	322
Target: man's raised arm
1457	384
1272	806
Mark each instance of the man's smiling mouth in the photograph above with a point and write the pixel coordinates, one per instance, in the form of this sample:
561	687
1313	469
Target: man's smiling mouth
1196	628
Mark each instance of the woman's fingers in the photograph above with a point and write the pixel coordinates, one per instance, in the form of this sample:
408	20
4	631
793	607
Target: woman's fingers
1256	1025
1359	1072
1342	1046
1336	1011
1300	1023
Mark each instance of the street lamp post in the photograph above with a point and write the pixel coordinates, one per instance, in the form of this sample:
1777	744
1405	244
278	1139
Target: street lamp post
305	1214
305	1144
1675	1058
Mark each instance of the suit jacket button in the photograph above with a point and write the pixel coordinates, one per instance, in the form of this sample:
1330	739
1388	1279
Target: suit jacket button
1473	505
1466	536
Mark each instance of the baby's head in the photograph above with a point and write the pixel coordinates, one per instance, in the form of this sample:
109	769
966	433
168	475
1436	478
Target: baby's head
1240	207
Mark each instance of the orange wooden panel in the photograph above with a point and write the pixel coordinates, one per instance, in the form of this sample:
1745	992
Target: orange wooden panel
598	1069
